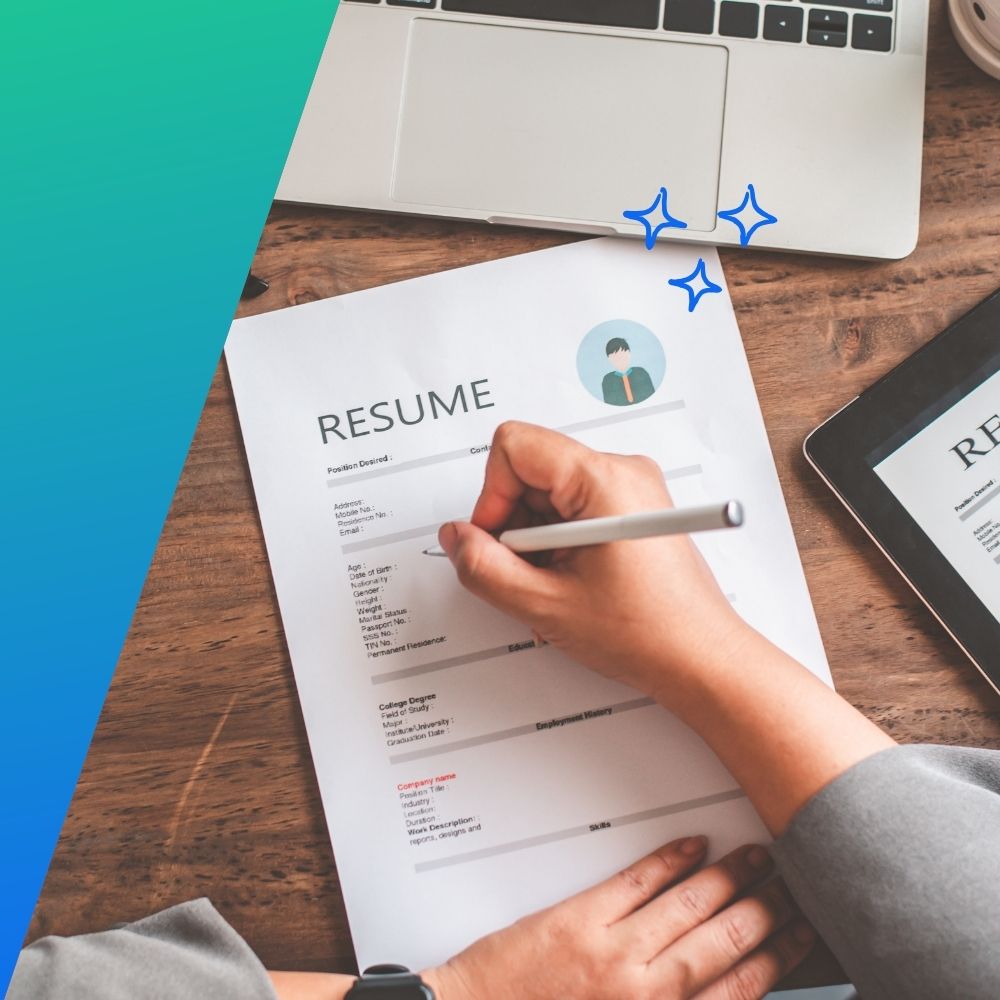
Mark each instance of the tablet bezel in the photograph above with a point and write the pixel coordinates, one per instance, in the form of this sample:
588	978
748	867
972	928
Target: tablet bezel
880	420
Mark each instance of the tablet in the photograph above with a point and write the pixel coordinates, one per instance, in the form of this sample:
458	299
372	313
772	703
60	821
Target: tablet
916	459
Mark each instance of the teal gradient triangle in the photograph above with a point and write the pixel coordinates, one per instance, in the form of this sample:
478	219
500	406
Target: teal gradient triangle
141	149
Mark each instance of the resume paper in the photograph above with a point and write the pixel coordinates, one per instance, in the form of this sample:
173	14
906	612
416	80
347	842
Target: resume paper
469	776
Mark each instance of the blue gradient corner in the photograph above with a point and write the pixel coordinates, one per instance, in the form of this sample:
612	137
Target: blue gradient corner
141	152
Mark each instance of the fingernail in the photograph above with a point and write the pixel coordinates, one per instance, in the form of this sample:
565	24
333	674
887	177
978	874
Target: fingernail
693	846
758	858
448	538
803	933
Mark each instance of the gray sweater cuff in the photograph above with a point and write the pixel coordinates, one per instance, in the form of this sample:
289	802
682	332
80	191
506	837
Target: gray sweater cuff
896	864
184	952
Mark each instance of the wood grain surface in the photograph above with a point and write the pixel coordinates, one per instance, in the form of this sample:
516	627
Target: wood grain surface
199	780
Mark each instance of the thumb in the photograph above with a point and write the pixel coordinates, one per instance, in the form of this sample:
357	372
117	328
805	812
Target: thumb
494	573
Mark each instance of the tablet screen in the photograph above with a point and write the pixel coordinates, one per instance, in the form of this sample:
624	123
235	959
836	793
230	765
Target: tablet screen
947	477
916	459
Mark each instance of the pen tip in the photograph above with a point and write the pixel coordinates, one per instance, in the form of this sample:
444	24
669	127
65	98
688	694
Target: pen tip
734	514
253	287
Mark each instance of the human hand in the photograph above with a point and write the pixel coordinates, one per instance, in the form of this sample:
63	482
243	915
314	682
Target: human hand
643	612
704	937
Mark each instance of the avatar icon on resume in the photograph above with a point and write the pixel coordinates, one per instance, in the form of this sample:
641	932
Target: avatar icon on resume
626	385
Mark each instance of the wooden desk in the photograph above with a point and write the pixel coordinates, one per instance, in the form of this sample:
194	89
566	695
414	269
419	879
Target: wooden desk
199	779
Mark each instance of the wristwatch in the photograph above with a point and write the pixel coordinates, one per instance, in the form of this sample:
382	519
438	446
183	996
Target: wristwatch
389	982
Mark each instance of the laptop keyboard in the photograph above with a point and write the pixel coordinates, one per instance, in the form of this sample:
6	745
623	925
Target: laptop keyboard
854	24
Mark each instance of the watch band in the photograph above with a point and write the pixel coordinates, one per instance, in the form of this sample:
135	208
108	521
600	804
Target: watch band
394	980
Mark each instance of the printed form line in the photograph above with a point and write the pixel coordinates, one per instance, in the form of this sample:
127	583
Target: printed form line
979	504
578	831
620	418
425	530
449	456
455	661
532	727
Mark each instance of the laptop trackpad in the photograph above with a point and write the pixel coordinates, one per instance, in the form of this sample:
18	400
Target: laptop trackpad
531	122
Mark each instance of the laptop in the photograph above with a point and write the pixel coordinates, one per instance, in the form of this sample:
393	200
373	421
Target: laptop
786	125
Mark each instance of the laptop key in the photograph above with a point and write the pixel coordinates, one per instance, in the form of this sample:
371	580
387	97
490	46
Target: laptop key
738	20
411	3
782	24
692	16
871	32
608	13
827	20
833	39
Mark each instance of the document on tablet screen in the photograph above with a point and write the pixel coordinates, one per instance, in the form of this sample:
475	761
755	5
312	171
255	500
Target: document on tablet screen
468	776
947	477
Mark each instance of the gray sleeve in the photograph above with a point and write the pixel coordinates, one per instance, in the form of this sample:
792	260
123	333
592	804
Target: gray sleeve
185	952
897	865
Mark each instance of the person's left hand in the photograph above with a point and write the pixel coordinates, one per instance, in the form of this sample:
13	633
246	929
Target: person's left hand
645	933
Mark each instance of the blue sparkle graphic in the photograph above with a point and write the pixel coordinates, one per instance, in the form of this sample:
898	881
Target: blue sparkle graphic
733	215
670	222
707	285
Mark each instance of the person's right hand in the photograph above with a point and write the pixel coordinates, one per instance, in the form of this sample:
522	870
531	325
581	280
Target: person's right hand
643	612
648	932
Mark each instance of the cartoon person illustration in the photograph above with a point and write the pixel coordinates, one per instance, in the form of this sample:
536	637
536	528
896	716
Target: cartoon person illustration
626	384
